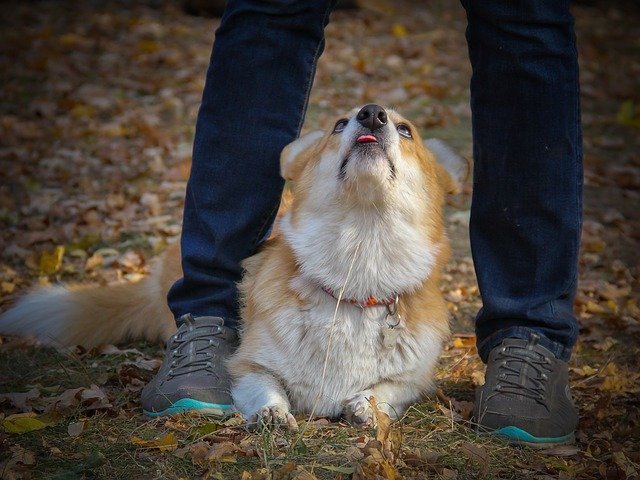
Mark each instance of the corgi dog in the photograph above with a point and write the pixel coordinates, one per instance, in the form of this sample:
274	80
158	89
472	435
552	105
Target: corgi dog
340	305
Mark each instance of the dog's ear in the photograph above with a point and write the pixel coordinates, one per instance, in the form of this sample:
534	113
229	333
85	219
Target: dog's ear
295	156
452	168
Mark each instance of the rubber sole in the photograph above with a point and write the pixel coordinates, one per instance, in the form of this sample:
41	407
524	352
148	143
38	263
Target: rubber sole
189	405
521	437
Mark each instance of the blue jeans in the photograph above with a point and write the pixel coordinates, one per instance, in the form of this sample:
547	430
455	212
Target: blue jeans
526	206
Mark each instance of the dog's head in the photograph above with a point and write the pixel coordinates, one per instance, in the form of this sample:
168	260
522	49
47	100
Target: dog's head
367	188
370	157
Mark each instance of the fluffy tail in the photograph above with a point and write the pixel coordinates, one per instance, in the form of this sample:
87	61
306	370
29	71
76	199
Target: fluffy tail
90	316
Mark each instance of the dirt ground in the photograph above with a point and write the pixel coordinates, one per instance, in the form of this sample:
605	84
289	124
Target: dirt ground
96	123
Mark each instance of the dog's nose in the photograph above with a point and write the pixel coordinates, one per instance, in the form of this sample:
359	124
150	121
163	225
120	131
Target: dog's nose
372	116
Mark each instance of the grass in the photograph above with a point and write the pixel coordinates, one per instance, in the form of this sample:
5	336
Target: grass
430	439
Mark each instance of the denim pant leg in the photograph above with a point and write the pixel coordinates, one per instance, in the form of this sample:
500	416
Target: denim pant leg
527	193
255	96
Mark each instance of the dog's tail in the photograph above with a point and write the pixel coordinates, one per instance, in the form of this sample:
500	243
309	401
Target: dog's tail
90	316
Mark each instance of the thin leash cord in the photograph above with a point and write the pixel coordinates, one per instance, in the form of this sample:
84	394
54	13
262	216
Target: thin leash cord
333	323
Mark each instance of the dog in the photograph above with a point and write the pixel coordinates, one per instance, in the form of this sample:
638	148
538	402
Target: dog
340	305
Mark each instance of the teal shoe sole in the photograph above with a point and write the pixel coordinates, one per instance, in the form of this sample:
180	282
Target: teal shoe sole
521	437
189	405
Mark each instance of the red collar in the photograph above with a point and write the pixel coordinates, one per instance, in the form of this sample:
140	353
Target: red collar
368	302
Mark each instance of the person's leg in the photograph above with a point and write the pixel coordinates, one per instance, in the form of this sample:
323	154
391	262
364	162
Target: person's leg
526	208
255	96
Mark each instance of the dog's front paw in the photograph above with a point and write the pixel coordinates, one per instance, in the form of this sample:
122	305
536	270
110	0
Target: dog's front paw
358	410
275	415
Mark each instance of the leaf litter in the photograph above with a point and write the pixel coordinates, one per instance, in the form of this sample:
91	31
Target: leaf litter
96	127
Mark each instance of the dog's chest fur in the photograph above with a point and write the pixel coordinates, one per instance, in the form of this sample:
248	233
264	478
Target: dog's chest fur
350	345
373	253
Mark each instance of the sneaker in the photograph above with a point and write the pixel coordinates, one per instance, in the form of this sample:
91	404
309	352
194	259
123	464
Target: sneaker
193	377
526	395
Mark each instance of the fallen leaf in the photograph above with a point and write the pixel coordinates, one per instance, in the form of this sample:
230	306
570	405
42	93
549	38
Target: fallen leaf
478	378
382	422
561	451
23	423
165	443
399	30
477	454
464	341
50	262
19	400
76	428
16	466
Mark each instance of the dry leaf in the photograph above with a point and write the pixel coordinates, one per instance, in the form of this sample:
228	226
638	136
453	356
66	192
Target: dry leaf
477	454
19	400
165	443
28	422
50	263
76	428
16	466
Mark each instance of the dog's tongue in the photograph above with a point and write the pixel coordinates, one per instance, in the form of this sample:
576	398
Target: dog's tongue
366	139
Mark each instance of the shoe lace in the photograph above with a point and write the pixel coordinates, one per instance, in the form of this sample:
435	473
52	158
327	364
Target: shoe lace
195	352
523	372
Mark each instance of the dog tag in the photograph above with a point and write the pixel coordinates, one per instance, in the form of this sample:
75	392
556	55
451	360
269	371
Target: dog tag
390	337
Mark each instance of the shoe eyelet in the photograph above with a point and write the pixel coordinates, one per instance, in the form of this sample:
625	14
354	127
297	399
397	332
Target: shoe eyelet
498	387
543	376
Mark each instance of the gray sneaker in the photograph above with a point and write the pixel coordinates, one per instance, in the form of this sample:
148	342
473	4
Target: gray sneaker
193	376
526	395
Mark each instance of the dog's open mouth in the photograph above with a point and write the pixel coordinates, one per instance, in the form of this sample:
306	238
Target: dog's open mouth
367	147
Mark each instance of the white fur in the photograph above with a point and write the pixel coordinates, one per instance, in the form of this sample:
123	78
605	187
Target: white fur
356	361
44	314
394	254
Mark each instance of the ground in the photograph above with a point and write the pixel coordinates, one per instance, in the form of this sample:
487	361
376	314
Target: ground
96	124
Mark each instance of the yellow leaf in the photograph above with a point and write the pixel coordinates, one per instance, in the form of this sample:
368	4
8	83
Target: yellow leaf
50	263
8	287
82	111
148	46
467	341
629	114
593	307
594	246
585	371
399	30
166	443
23	423
114	130
69	39
478	378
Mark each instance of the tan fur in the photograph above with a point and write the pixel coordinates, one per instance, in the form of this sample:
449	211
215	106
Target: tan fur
95	315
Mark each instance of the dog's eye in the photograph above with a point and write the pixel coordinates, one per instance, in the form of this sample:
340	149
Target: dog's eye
404	130
340	125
